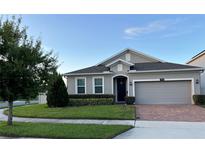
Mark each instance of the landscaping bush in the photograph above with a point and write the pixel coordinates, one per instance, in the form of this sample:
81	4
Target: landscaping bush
129	100
90	99
57	95
199	99
92	96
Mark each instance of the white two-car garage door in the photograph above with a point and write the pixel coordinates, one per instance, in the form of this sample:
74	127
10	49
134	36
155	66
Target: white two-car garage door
169	92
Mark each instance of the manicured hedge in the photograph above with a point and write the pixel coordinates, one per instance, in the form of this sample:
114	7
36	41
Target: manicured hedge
90	99
92	96
129	100
199	99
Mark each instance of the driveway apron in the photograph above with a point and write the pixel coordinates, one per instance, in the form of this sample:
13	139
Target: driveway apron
188	113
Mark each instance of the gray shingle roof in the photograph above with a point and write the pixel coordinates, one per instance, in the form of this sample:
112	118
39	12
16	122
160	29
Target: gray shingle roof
159	66
138	67
92	69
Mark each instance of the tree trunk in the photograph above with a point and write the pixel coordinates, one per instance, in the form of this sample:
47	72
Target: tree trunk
10	113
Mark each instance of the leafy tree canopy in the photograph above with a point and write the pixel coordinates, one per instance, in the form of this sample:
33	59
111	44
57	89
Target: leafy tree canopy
25	68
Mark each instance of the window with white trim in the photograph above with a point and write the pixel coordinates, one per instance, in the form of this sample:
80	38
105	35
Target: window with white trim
81	86
98	85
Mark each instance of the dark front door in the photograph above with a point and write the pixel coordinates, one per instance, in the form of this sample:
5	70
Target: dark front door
121	89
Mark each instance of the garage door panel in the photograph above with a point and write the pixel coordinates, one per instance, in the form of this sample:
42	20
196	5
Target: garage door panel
172	92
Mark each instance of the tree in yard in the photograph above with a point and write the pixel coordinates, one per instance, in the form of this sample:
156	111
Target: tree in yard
25	69
57	95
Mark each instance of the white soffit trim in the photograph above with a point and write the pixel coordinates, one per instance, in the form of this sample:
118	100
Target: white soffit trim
169	70
120	60
132	51
76	74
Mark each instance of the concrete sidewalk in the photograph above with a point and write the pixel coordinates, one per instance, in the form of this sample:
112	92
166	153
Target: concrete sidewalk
165	130
68	121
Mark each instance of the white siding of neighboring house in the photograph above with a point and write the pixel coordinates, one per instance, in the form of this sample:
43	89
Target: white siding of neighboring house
42	98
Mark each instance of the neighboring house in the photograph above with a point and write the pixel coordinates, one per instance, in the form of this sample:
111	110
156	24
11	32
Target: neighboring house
199	60
132	73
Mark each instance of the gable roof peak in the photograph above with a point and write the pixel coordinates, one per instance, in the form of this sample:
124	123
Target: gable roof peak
120	60
132	51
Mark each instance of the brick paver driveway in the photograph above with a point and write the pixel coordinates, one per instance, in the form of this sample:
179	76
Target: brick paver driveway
190	113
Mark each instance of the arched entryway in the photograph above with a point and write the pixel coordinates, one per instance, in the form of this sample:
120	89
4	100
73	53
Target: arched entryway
120	88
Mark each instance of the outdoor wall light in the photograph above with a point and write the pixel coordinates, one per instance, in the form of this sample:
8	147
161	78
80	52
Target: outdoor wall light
130	83
197	81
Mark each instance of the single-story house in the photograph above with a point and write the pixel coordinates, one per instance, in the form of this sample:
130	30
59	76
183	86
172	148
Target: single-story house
133	73
199	60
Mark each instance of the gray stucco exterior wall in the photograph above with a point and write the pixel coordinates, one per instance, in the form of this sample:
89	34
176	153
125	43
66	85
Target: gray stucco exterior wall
108	80
193	76
71	81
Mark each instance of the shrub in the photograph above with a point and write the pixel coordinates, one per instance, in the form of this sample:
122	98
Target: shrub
129	100
57	95
92	96
199	99
90	99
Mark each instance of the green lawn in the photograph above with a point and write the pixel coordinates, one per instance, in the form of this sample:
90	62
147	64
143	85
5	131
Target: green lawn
82	112
61	131
14	105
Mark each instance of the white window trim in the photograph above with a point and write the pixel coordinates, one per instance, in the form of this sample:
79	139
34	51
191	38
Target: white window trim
76	85
169	70
78	74
103	85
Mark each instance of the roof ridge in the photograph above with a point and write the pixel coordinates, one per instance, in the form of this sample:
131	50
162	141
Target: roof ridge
133	51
